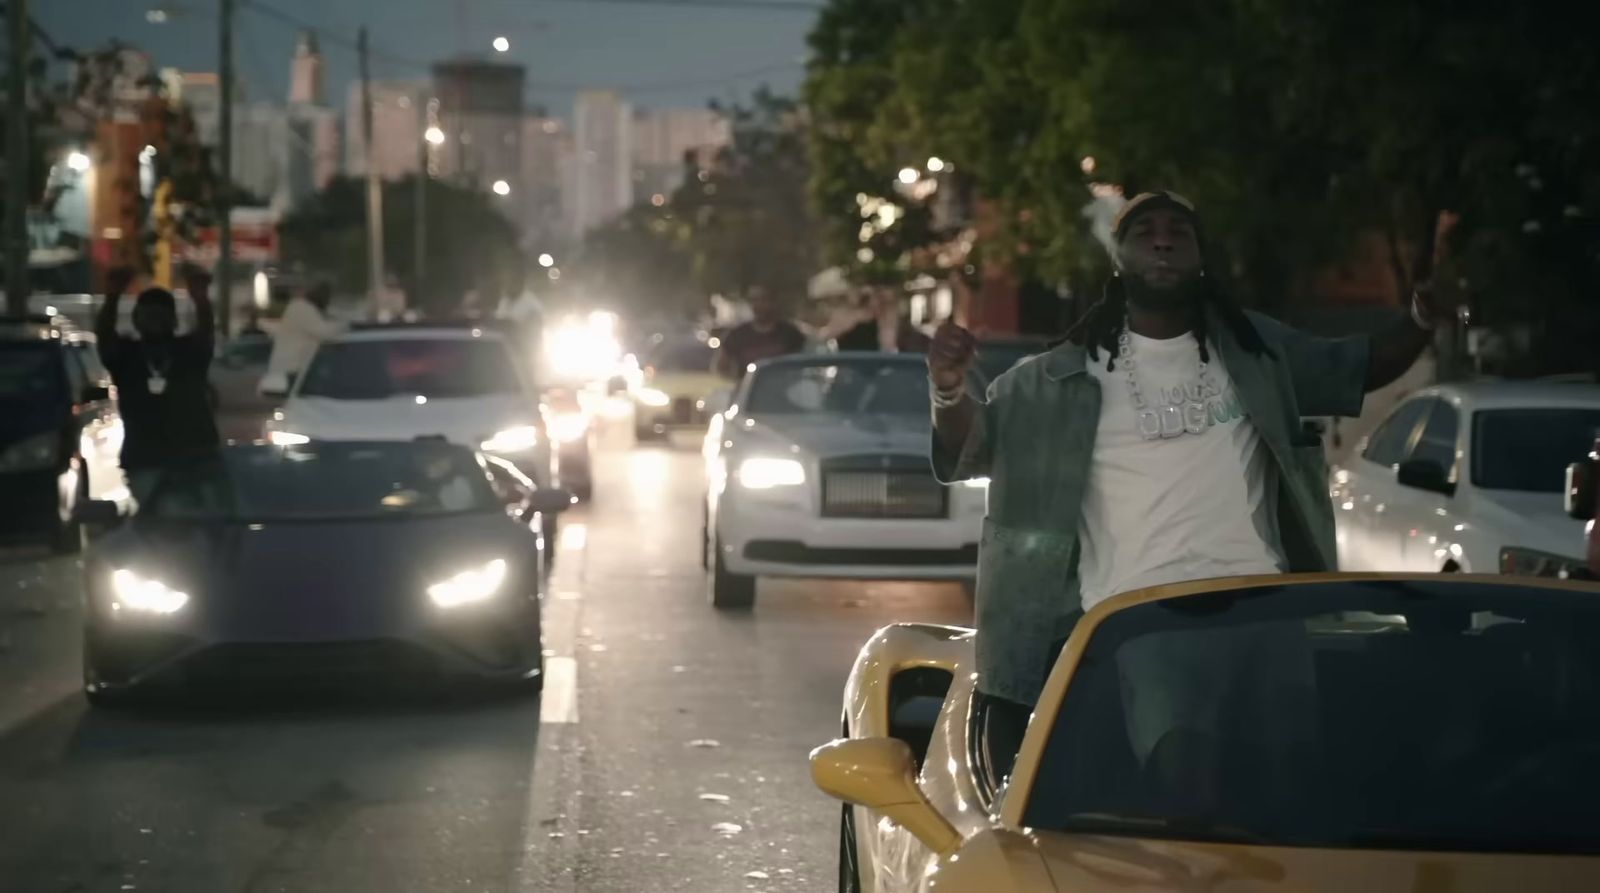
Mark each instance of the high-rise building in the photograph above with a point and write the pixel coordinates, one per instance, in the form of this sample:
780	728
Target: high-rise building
665	141
305	71
546	209
481	113
399	109
603	156
311	153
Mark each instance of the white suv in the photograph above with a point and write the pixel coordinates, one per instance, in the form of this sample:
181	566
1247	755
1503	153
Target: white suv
401	382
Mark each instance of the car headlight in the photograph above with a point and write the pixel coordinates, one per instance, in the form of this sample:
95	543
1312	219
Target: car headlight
764	474
143	594
469	586
653	397
1521	562
568	427
286	438
512	440
33	454
976	484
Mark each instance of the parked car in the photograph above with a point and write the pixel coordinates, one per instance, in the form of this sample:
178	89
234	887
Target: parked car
1467	477
1325	732
373	561
60	432
820	469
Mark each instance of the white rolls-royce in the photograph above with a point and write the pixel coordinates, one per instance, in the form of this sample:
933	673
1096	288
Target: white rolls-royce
819	468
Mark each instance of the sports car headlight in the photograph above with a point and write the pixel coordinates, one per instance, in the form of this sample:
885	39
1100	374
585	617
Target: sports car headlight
653	397
32	454
512	440
764	474
145	595
568	426
476	585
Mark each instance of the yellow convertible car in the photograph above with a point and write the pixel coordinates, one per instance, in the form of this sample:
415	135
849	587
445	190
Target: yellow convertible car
1310	733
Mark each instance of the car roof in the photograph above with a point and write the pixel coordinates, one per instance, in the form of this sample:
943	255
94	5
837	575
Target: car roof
1485	395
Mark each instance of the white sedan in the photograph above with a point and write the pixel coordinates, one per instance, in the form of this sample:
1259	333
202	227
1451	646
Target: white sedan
402	382
820	469
1469	478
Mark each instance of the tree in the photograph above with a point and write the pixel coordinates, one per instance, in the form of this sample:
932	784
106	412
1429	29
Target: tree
471	246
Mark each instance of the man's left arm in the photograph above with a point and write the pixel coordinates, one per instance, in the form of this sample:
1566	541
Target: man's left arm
1395	349
204	336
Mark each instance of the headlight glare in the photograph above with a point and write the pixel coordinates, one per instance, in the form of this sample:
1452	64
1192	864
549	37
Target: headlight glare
653	397
149	596
469	586
976	484
512	440
568	427
286	438
764	474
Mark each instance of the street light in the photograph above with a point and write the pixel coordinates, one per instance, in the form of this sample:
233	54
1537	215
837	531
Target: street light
501	187
501	45
909	175
78	161
434	136
936	164
546	261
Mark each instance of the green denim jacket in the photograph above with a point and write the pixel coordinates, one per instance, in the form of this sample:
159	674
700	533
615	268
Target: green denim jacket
1033	437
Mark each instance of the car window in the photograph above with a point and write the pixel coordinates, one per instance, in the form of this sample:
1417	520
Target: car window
1529	449
320	481
1437	443
1374	714
445	367
32	374
1389	444
77	376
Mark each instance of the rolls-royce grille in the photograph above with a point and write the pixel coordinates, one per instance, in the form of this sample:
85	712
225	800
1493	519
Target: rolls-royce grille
900	490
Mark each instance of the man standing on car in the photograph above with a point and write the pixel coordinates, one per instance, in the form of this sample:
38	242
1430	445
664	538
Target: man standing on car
305	325
766	335
1162	441
161	379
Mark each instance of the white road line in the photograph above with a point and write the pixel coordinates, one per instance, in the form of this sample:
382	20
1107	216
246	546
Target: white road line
559	703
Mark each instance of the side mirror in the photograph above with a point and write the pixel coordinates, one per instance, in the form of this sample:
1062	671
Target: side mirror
1422	474
880	774
1580	496
98	513
95	393
551	500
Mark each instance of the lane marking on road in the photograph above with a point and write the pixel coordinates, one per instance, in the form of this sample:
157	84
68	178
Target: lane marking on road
559	703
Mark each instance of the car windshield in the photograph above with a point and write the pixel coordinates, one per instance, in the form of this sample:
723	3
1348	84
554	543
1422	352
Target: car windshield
682	356
443	367
31	373
1529	449
849	387
1393	715
326	481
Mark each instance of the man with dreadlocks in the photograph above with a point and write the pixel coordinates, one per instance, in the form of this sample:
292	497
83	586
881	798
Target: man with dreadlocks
1162	441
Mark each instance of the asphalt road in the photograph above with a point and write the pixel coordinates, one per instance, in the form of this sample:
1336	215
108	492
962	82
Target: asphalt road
668	752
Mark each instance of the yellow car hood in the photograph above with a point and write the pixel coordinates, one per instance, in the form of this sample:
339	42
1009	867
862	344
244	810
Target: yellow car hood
698	385
1084	864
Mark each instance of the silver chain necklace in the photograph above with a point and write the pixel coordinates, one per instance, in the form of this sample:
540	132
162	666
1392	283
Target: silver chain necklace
1182	409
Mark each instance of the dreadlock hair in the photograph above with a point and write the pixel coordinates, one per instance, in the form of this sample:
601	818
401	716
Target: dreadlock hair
1103	323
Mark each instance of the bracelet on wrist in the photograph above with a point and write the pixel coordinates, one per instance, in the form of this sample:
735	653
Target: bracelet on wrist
1418	318
944	399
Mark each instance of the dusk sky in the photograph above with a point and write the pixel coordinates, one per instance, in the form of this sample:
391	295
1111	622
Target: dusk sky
660	53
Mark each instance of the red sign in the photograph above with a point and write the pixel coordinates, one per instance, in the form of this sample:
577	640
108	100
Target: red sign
255	240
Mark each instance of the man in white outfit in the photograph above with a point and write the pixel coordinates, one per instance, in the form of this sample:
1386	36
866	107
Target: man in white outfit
305	324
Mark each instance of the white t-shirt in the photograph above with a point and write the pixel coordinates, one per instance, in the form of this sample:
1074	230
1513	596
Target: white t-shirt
302	328
1173	509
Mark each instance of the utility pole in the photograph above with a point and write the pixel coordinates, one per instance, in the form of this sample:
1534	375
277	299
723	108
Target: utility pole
223	287
374	184
16	228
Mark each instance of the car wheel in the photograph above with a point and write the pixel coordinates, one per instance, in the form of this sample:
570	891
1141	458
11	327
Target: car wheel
94	691
729	591
530	686
68	537
849	867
